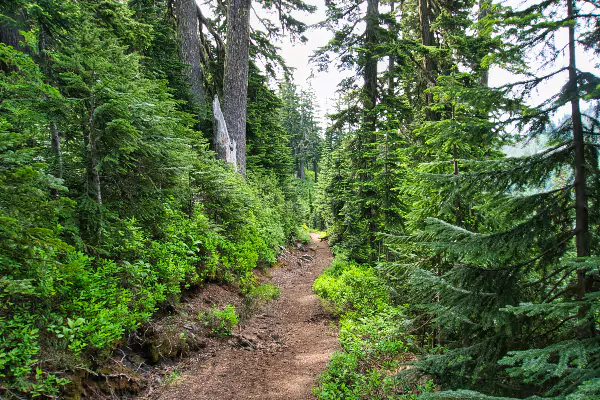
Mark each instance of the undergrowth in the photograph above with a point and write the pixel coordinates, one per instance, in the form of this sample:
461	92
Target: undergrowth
65	307
375	344
220	322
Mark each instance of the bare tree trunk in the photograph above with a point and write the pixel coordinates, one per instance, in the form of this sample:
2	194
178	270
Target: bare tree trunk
426	34
301	172
582	237
391	84
315	167
92	172
93	165
581	208
225	146
370	71
484	10
57	152
235	81
425	18
56	149
9	31
370	119
458	215
190	47
10	36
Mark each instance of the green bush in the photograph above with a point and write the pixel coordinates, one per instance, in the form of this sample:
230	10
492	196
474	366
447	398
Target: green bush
352	287
371	333
303	234
76	275
264	292
220	322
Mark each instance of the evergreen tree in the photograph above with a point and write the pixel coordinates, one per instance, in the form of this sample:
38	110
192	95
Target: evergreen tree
513	298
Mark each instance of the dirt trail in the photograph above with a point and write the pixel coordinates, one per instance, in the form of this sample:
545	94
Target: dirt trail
276	354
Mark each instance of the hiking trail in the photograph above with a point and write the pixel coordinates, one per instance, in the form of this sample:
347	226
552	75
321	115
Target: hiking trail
278	352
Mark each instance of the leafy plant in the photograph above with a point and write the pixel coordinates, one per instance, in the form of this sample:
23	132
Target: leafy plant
220	322
264	292
373	334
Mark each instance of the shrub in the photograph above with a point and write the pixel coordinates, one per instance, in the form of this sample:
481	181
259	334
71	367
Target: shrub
220	322
351	287
372	334
264	292
303	234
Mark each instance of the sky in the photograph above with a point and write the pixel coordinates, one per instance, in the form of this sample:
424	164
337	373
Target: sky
297	56
324	84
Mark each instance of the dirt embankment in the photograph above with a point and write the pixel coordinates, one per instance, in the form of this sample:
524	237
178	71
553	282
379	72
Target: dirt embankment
275	354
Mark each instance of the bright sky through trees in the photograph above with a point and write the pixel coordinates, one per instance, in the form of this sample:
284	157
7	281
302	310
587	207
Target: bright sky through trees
324	83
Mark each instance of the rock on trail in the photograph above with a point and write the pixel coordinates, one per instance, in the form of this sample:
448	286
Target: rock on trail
276	354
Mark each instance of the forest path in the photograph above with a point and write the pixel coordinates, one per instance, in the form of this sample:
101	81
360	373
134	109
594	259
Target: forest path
279	352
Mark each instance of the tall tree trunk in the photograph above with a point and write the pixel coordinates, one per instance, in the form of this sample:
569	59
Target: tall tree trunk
190	47
457	213
57	152
9	33
581	208
582	239
370	119
92	172
315	166
425	17
301	172
9	30
93	164
370	70
235	82
426	34
56	149
484	10
391	84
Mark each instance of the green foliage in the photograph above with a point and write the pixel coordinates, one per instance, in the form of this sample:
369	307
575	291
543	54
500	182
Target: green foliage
264	292
373	337
220	322
111	203
303	234
349	286
297	116
482	246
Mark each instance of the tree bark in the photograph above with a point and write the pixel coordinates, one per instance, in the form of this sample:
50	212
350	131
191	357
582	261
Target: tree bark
225	146
425	17
391	83
235	81
426	34
581	208
56	149
370	119
582	239
10	36
93	164
301	172
190	47
370	70
484	10
9	30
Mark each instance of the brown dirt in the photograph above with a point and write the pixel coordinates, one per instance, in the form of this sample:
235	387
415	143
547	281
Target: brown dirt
275	354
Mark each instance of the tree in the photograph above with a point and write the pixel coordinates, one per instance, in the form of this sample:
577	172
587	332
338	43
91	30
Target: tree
514	291
190	47
235	77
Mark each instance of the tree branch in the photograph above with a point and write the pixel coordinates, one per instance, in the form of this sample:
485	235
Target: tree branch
202	19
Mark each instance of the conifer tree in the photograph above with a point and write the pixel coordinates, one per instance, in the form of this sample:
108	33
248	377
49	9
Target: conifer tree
516	300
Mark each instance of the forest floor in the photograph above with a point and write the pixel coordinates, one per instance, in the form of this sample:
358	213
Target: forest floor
278	352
